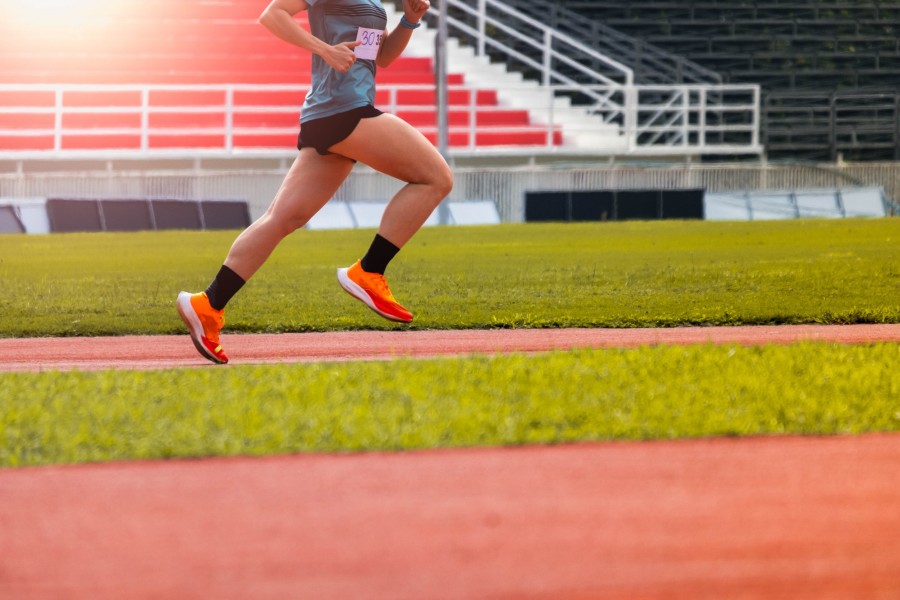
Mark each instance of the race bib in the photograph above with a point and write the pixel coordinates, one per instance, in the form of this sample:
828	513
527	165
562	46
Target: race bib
371	41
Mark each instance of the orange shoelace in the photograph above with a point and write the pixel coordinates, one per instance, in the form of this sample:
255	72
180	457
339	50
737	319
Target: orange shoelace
218	322
380	286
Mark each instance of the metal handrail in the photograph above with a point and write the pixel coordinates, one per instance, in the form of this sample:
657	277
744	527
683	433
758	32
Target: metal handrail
638	119
630	50
545	51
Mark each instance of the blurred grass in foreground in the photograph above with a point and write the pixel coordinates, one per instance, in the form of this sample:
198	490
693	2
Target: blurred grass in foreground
526	275
635	394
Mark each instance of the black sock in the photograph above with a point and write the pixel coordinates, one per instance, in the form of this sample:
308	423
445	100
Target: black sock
380	253
223	287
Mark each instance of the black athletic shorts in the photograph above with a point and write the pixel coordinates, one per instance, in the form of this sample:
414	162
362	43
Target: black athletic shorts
324	133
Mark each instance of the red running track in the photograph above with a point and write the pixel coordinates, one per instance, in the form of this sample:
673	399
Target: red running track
158	352
760	518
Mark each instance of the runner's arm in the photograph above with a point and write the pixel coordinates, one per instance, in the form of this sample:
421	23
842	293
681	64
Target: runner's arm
278	17
395	42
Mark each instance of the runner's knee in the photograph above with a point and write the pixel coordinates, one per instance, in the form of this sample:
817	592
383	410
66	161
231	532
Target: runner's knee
285	224
442	181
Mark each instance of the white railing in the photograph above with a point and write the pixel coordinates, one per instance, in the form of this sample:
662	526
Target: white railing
507	187
707	119
551	45
559	58
651	64
240	119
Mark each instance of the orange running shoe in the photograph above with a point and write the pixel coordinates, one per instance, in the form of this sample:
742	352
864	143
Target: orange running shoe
204	323
372	289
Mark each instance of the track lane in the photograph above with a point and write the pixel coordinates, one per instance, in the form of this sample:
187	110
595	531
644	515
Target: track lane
162	352
773	518
758	518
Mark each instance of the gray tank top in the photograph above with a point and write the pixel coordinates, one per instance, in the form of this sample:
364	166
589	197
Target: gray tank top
334	22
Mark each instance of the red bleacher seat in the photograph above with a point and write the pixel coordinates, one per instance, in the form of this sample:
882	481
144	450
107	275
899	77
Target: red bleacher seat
102	142
461	118
178	141
534	137
29	143
101	120
265	141
28	121
286	119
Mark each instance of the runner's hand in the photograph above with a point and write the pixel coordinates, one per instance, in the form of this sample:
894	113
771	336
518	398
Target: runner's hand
341	57
415	9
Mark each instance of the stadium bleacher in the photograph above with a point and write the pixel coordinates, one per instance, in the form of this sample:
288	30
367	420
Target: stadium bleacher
830	71
167	100
209	42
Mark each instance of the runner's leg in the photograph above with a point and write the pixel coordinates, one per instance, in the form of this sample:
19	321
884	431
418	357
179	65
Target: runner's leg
311	181
392	146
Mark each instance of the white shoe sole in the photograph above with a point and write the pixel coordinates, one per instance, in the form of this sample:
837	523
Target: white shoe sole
352	288
190	318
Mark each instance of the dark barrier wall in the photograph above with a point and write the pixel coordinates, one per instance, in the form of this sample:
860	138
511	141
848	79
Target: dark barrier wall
73	215
67	215
682	204
126	215
9	221
614	205
221	214
177	214
634	205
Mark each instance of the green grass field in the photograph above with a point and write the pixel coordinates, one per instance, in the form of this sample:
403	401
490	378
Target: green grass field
593	275
616	274
636	394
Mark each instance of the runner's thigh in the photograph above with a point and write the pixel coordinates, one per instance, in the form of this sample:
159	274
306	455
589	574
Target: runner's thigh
311	181
394	147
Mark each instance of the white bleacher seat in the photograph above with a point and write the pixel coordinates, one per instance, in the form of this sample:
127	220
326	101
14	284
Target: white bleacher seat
367	214
769	206
478	212
31	212
726	206
818	204
765	205
334	215
865	202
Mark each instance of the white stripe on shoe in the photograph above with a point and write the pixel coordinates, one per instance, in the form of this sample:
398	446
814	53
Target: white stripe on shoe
355	290
189	316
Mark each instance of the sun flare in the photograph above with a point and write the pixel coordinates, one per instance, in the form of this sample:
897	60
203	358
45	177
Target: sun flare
66	25
45	14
